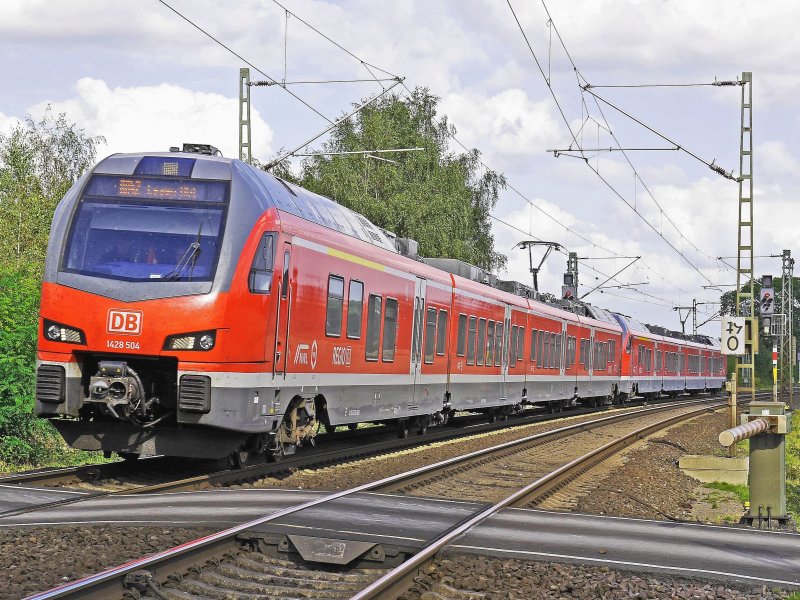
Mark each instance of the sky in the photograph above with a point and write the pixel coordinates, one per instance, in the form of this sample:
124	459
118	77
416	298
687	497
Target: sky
144	78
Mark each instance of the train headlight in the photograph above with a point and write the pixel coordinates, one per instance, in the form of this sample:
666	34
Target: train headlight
199	340
56	332
206	341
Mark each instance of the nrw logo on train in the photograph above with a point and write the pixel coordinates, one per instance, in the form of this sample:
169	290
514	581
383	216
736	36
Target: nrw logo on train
124	321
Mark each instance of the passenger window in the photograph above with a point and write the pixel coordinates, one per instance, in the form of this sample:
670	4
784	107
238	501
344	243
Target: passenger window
512	359
355	305
389	330
461	344
558	351
430	334
546	361
498	344
441	333
285	279
333	316
540	349
373	326
261	269
521	344
533	345
489	343
471	340
481	342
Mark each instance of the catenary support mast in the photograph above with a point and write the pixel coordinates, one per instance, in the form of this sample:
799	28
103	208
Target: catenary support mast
785	352
745	298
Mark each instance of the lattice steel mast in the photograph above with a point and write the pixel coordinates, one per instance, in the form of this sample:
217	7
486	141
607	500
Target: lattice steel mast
785	352
744	263
244	116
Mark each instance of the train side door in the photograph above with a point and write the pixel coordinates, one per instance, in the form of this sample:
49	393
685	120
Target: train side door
283	319
506	348
417	329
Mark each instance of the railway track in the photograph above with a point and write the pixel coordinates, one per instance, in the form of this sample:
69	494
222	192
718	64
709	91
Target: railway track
231	563
158	474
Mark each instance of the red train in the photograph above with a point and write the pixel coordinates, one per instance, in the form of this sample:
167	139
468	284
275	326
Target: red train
193	305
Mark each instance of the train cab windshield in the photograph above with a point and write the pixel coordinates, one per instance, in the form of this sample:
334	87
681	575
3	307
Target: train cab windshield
147	229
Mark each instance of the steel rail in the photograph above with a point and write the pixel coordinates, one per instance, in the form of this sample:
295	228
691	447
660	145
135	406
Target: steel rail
64	474
259	470
395	581
103	585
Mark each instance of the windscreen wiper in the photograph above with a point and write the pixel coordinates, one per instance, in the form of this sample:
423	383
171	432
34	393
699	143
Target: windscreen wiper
189	258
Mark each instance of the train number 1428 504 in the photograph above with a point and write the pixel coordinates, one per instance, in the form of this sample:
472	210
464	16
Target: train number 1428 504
122	345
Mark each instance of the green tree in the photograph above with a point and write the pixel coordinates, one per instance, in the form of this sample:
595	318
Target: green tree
763	359
39	161
440	198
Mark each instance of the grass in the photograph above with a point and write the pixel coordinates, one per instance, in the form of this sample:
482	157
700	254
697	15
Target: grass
739	490
793	469
60	456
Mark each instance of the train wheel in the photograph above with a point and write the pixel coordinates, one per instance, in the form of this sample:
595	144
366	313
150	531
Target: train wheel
403	429
423	425
240	458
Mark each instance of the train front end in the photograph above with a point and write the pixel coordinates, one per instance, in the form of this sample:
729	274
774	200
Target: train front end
140	349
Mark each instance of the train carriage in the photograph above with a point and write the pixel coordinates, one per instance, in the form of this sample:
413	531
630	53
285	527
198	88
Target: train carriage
193	305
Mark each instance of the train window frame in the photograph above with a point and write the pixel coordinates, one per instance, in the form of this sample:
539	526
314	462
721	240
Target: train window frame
389	338
546	361
559	344
480	349
461	340
472	331
540	350
262	268
521	343
490	341
532	357
429	351
351	314
512	355
333	327
441	332
285	274
499	332
373	328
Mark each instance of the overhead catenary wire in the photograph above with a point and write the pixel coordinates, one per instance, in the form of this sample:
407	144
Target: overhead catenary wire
582	82
367	66
244	60
559	223
711	165
332	123
563	251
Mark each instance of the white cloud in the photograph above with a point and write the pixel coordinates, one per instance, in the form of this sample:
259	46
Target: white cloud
133	119
507	127
7	123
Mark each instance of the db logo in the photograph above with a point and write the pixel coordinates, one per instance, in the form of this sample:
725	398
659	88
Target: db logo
124	321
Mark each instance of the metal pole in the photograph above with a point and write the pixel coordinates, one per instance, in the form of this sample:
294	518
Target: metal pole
732	413
244	116
744	255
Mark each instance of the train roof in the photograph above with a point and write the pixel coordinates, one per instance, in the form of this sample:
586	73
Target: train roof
288	198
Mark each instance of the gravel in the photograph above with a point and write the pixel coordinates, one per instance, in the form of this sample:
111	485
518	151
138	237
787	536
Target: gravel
39	558
468	577
647	484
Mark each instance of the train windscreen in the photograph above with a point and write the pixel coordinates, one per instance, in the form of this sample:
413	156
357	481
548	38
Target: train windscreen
147	229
